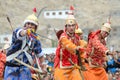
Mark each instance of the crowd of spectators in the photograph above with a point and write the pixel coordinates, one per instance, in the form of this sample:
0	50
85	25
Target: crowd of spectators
48	66
113	66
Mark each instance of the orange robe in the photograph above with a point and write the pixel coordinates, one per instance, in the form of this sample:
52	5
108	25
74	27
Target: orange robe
65	51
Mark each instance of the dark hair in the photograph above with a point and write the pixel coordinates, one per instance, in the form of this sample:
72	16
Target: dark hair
35	26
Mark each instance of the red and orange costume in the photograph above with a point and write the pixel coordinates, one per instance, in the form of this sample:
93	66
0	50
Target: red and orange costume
66	60
64	70
97	56
2	63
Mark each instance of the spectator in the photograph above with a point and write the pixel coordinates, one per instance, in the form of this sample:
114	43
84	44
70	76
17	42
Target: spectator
118	60
111	65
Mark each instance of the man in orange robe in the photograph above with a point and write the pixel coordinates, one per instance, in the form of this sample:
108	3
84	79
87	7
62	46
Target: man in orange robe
97	51
66	53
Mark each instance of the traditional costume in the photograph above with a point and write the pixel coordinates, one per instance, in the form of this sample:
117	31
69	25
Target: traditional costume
65	54
97	51
22	48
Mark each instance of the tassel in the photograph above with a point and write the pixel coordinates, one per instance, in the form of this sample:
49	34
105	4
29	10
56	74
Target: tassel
34	10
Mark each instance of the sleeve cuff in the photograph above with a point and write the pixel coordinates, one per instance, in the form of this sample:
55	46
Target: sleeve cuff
19	36
40	54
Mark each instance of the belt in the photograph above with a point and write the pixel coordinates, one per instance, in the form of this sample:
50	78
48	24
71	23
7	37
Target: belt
13	64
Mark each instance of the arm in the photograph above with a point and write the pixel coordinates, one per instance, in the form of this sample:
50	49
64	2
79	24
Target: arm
20	34
23	32
67	44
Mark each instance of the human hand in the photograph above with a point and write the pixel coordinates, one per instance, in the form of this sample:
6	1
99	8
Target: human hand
44	69
81	49
29	31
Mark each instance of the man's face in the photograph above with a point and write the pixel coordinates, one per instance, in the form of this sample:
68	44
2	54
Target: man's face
71	28
29	25
104	34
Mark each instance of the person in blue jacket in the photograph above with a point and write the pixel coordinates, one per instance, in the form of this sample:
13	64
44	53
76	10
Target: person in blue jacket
111	65
24	44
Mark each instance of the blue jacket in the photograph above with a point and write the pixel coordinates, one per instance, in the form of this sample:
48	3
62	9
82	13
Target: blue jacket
17	42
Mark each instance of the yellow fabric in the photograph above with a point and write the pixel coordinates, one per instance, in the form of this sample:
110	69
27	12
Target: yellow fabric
67	74
67	44
78	31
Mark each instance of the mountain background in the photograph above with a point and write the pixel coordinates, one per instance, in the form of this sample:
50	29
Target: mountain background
90	15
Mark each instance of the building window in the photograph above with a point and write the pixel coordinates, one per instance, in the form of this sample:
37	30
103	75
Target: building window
53	13
47	14
60	13
66	12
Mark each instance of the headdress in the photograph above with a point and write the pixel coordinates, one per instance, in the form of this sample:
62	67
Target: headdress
32	18
70	19
106	26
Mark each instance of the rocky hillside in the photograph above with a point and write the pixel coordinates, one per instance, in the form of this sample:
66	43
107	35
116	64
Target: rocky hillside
90	14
